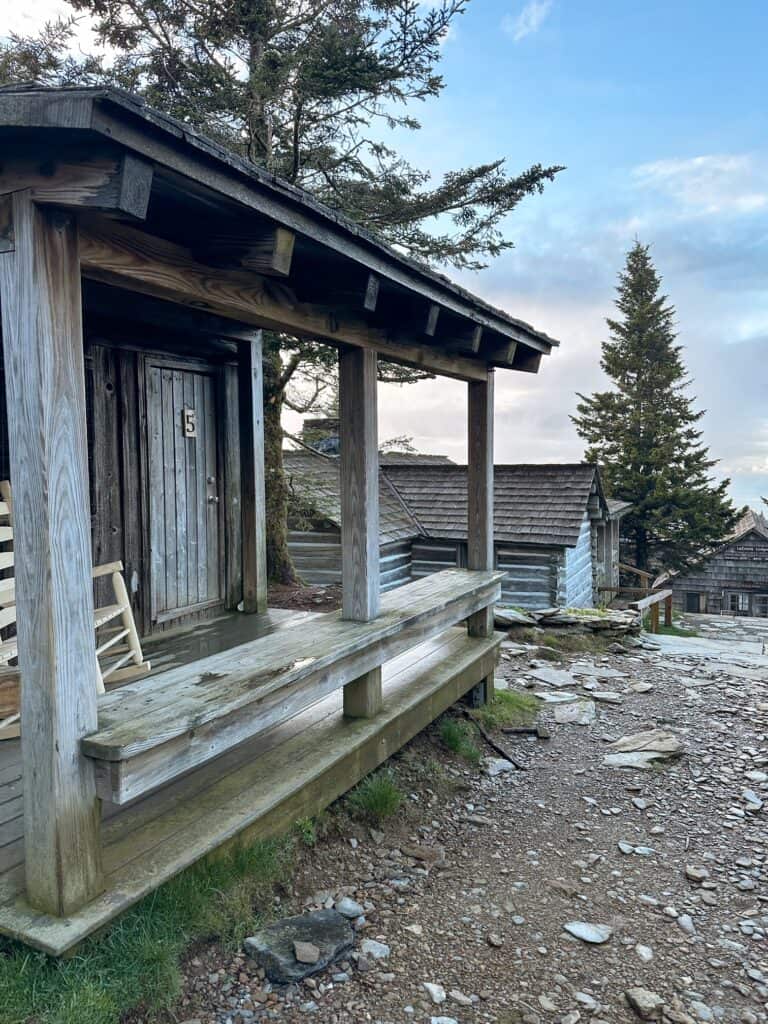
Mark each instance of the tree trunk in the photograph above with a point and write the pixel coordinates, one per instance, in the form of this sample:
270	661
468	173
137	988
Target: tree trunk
641	548
279	563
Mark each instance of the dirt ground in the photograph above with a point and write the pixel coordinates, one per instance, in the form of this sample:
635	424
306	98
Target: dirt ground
470	885
302	598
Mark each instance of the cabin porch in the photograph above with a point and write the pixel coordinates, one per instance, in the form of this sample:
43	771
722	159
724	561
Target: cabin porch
291	770
139	265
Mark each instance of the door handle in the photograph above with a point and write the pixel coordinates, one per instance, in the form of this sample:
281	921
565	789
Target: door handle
213	499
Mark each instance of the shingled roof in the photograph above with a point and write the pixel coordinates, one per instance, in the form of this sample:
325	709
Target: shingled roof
532	504
750	522
314	480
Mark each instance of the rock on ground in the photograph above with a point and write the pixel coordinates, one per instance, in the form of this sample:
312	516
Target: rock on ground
274	947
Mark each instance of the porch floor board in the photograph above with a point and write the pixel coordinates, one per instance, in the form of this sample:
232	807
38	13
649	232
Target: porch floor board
258	788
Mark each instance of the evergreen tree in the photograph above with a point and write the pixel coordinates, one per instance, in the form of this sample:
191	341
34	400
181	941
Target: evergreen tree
643	433
312	90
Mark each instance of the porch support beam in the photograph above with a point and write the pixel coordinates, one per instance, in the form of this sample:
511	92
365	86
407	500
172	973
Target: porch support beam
358	416
480	508
116	184
45	386
269	251
252	474
121	255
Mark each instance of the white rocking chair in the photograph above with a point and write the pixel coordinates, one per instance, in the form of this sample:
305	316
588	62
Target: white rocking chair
119	656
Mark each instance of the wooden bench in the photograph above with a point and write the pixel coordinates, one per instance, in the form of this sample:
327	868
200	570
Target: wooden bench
155	730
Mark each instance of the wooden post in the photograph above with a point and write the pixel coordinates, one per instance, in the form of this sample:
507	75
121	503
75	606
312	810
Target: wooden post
252	475
45	384
358	417
655	617
668	611
480	509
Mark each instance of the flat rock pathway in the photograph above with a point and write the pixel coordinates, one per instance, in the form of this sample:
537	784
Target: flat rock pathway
549	894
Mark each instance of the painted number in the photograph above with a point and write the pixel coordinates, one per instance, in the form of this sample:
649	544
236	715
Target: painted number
189	422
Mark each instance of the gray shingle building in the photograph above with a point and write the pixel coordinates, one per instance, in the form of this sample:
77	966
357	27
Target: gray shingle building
732	579
555	533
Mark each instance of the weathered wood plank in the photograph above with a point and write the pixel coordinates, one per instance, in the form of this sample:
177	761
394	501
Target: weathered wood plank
358	422
165	725
254	538
113	183
211	509
43	349
267	250
201	566
288	774
480	490
121	255
179	484
193	489
168	489
233	520
360	576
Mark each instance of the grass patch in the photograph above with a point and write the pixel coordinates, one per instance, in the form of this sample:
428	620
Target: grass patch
137	962
309	831
376	798
572	642
508	707
673	630
566	641
459	737
549	654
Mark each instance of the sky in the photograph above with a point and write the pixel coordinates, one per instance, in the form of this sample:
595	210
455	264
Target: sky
658	110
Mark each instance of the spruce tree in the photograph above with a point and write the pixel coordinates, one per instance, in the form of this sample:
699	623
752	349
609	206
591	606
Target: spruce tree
644	434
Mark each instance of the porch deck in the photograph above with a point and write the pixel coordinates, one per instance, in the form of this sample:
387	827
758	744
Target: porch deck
261	786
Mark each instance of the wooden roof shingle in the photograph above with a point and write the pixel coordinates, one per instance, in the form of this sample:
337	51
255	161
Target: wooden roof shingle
314	481
533	504
541	505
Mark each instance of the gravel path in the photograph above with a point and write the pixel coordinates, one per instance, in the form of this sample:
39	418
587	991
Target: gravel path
470	888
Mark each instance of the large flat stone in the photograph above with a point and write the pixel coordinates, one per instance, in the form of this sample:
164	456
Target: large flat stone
273	947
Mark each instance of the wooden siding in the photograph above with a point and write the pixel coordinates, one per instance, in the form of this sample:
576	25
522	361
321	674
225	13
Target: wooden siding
428	556
531	575
739	567
316	556
577	585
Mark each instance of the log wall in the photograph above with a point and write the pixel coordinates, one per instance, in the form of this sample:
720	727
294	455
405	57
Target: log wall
316	556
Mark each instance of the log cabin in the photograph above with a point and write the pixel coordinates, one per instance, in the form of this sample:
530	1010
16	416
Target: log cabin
555	534
139	264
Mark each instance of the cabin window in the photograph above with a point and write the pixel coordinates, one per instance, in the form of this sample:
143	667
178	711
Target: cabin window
760	605
738	604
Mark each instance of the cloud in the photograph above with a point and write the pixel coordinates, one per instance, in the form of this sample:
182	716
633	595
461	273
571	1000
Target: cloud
707	185
528	21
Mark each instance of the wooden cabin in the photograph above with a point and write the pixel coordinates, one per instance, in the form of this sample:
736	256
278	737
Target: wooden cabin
314	537
138	264
732	579
556	536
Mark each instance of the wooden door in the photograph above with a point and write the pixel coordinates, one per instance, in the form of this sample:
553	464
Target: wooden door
185	532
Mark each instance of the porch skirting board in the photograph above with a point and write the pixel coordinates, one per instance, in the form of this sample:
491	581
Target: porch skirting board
254	791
